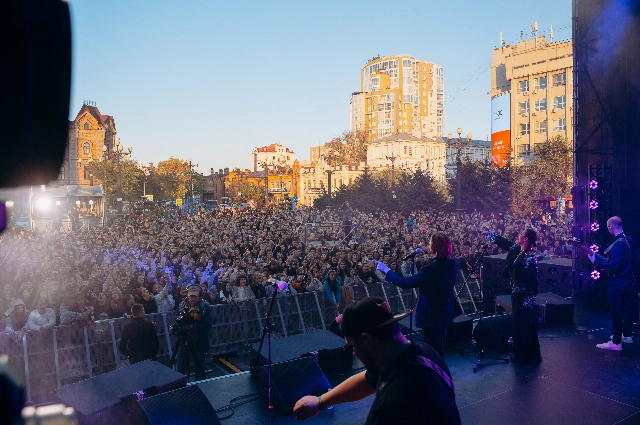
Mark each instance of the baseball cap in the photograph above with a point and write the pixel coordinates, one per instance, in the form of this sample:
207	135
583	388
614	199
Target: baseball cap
366	316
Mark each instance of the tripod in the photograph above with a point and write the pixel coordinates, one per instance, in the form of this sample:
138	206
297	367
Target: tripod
188	343
478	266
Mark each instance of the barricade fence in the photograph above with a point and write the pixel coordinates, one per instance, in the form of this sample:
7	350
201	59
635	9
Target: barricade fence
50	359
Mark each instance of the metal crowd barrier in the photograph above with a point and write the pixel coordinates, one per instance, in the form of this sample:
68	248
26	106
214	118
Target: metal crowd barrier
64	355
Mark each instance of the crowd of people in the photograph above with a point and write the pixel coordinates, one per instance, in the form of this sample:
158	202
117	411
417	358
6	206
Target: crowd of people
65	278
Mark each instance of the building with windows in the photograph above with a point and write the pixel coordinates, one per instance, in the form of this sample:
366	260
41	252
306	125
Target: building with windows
408	152
314	179
476	150
88	133
531	88
272	155
399	94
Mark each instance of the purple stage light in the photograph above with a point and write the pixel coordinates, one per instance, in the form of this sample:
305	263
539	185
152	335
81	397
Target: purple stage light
594	248
595	275
595	227
593	205
593	184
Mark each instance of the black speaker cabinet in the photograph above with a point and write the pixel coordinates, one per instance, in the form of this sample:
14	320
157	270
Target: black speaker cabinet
292	380
186	406
493	332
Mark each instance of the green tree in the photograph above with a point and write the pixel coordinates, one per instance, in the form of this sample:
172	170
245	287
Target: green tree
172	177
106	172
547	175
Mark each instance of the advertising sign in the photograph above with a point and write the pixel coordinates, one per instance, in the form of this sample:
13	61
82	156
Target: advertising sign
500	130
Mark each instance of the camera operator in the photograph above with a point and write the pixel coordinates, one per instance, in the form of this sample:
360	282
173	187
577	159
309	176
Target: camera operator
192	326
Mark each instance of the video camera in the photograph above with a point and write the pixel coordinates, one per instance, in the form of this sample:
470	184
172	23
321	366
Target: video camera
183	319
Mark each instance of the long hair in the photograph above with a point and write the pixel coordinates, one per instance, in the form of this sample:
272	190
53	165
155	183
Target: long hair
441	245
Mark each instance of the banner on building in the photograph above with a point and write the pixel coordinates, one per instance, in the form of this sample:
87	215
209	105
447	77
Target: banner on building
500	130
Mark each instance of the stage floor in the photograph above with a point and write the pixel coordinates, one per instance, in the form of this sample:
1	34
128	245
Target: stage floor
576	383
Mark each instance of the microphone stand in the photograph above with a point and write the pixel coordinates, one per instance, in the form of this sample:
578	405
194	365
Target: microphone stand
413	271
255	366
480	353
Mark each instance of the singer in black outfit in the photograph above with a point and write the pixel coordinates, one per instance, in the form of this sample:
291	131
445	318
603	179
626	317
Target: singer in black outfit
435	283
521	265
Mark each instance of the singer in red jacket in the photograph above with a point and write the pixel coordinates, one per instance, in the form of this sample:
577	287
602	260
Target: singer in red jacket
435	283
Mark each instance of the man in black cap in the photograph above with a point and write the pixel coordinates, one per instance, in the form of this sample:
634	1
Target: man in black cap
411	381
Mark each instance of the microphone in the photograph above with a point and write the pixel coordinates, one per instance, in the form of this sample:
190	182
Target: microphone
281	285
413	254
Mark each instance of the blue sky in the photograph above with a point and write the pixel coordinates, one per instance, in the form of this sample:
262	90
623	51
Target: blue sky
211	80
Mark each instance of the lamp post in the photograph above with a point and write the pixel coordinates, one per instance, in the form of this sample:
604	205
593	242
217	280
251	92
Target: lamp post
192	166
117	152
145	174
88	163
459	145
266	166
329	171
392	158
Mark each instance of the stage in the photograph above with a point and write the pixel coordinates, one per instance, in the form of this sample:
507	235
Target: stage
576	383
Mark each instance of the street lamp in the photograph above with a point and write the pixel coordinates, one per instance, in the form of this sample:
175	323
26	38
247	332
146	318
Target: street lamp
392	158
117	152
145	174
192	166
459	145
266	166
329	171
88	164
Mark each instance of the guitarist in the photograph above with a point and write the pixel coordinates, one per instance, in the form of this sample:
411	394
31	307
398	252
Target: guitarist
621	289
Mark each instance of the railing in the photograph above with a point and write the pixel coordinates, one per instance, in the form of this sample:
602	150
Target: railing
50	359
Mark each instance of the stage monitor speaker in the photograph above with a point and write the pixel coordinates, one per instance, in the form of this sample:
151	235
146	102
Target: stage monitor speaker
494	332
99	400
292	380
185	406
460	329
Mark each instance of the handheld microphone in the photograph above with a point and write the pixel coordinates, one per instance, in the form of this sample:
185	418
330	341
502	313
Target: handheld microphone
281	285
413	254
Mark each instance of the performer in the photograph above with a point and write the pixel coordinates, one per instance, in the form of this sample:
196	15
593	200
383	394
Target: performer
621	291
411	382
521	266
435	283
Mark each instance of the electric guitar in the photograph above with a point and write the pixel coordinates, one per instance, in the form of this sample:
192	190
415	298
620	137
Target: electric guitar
576	242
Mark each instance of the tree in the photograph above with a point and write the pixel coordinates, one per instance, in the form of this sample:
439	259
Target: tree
335	152
356	143
106	172
173	178
483	188
547	175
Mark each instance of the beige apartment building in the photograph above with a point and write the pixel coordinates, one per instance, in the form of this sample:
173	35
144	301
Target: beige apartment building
531	96
399	94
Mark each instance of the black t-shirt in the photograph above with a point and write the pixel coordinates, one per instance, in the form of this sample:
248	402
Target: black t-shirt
412	393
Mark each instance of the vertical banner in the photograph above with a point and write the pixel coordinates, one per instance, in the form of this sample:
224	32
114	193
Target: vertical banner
500	130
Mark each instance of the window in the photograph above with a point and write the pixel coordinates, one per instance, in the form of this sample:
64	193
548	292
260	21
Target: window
559	79
541	127
86	148
560	125
524	107
524	129
87	173
410	149
541	105
523	86
540	83
61	175
406	63
86	125
524	150
559	102
405	150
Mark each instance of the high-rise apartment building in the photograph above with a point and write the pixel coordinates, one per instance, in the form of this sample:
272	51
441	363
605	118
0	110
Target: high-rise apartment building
399	94
531	87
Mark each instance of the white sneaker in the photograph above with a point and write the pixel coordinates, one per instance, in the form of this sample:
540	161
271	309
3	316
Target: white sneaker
627	339
609	345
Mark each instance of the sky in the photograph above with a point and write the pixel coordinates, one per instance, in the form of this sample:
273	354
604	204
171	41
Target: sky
211	80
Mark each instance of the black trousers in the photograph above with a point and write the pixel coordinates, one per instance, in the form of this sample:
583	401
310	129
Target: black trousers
622	299
525	330
435	336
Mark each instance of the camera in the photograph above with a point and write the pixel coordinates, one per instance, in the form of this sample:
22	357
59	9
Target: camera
184	319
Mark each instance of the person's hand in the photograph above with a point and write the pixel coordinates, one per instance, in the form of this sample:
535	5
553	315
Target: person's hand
381	266
306	408
170	331
337	306
484	233
592	257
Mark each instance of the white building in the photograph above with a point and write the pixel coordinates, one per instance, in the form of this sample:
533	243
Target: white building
271	156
